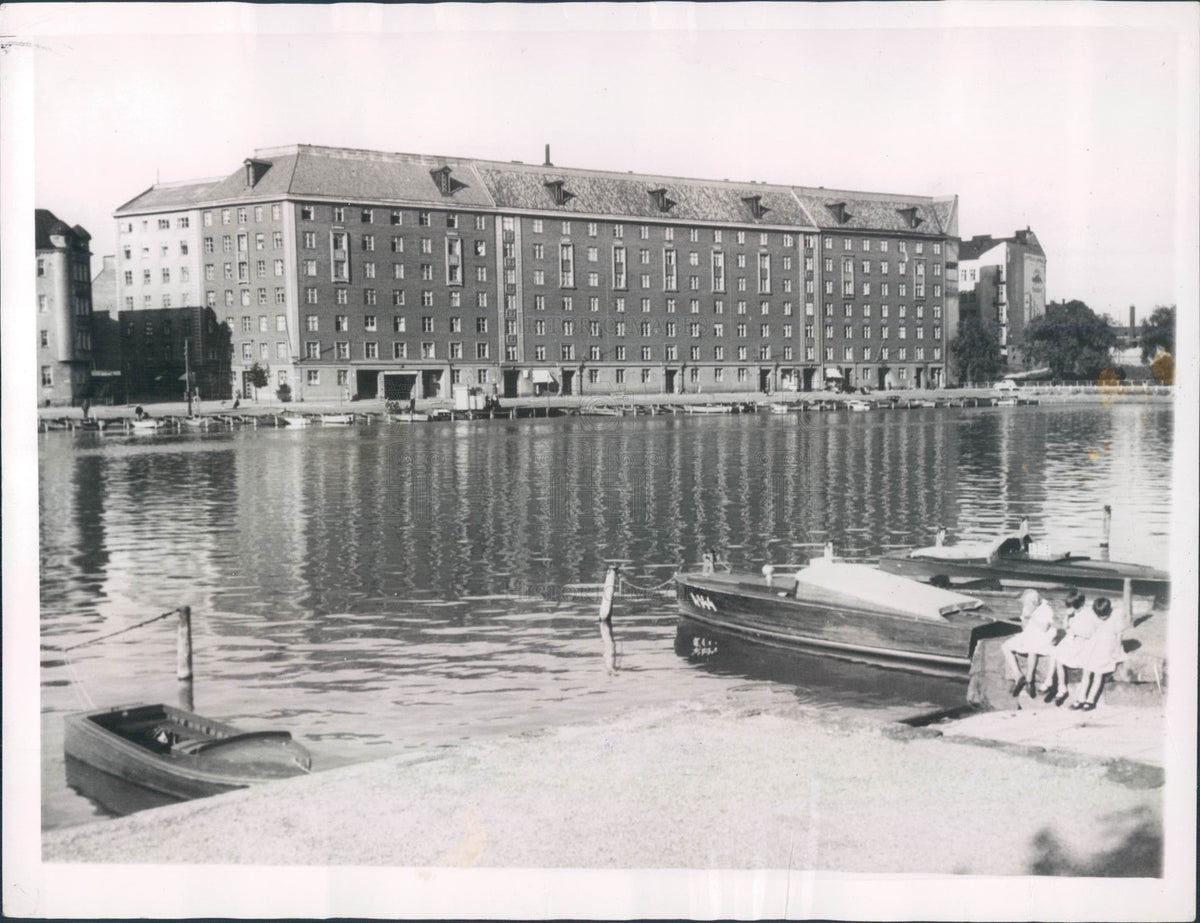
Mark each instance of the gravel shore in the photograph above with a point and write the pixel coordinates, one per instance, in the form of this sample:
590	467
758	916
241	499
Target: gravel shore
723	784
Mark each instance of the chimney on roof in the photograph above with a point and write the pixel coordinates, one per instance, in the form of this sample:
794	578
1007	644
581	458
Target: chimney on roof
547	163
1131	324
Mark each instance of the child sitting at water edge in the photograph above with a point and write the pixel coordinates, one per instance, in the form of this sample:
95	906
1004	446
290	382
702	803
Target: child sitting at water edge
1100	656
1036	638
1079	627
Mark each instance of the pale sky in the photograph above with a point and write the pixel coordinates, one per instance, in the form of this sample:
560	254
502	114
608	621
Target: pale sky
1070	125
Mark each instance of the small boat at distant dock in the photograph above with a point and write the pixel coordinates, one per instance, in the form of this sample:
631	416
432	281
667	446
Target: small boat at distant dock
178	753
858	406
708	408
337	419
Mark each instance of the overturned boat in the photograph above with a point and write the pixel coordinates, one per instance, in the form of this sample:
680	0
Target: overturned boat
848	611
1015	560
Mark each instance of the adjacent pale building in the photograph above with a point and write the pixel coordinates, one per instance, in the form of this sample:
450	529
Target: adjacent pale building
1002	283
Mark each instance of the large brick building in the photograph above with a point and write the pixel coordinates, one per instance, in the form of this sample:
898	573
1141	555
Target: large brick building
64	309
352	272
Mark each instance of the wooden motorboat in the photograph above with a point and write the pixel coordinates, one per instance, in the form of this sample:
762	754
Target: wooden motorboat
1016	561
178	753
779	407
707	408
858	406
847	611
294	419
145	425
412	417
337	419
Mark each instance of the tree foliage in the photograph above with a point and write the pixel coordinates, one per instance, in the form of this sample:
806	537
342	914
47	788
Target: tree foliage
1159	333
258	376
1072	340
975	352
1164	368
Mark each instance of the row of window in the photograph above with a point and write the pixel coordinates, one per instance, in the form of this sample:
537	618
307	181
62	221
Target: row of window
341	323
184	275
148	301
229	243
164	250
370	350
865	266
865	289
395	216
164	224
242	214
882	246
80	305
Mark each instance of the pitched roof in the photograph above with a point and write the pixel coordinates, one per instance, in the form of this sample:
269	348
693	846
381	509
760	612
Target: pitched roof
639	195
838	210
47	225
171	196
302	171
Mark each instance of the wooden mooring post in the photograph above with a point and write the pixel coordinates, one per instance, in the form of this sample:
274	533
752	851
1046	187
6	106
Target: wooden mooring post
606	605
183	659
1107	530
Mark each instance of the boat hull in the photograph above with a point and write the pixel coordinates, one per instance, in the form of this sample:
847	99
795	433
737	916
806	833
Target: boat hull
747	609
1084	573
216	757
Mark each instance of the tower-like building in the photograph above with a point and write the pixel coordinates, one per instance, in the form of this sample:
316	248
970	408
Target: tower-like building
349	272
64	310
1002	283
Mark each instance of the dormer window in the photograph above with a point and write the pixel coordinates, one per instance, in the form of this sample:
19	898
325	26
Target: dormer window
256	170
911	217
559	192
757	209
840	213
446	183
661	202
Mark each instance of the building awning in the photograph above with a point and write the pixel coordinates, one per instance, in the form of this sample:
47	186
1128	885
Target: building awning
542	377
833	373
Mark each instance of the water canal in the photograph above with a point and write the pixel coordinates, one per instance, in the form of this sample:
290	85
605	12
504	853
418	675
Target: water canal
384	588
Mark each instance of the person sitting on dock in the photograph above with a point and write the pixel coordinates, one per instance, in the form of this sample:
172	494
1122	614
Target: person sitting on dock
1035	639
1100	656
1080	625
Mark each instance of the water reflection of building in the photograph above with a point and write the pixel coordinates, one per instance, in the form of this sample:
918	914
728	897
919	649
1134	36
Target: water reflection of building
383	274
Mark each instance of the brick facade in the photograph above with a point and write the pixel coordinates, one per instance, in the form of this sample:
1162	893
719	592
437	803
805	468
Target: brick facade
371	274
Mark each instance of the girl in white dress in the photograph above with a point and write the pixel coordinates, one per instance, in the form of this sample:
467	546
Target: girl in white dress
1080	625
1101	655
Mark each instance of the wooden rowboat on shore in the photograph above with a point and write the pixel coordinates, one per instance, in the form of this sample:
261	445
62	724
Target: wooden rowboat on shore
178	753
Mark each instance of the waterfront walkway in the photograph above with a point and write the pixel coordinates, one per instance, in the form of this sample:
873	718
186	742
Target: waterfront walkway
743	780
268	405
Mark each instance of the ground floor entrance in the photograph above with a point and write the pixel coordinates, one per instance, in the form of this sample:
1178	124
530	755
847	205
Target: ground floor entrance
568	381
670	384
399	386
366	384
431	383
511	379
764	381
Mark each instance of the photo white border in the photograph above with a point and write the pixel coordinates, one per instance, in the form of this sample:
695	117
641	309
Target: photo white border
56	890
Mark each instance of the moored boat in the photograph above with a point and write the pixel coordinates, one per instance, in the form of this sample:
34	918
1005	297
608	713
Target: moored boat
294	419
178	753
408	417
779	407
145	425
858	406
847	611
707	408
1015	560
337	419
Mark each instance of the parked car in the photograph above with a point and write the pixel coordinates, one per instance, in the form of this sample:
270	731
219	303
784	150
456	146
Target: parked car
1006	386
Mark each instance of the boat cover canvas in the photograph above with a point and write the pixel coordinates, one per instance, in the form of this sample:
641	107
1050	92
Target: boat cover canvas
963	551
872	587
